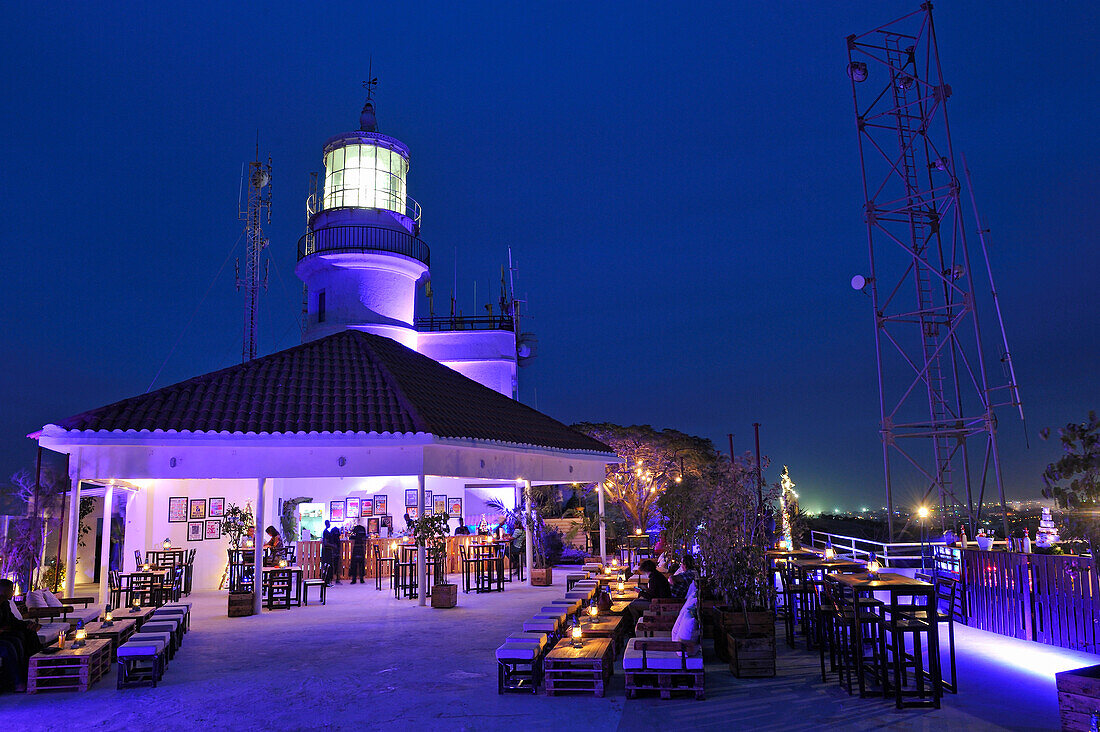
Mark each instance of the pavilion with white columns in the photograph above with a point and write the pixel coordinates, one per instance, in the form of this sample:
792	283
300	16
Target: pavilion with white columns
347	411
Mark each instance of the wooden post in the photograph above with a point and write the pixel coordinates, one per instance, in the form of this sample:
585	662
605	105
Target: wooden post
105	544
258	551
603	526
73	525
421	567
529	538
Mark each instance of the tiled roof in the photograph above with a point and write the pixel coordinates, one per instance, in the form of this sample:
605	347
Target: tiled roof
344	383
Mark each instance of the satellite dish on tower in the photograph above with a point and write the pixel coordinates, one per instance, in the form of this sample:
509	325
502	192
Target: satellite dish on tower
260	177
527	346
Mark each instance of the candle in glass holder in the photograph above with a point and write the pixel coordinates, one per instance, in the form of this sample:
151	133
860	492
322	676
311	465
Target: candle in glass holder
81	637
167	543
621	587
577	636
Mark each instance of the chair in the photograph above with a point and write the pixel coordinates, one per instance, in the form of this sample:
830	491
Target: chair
114	588
842	614
137	560
946	599
318	582
381	562
468	563
279	585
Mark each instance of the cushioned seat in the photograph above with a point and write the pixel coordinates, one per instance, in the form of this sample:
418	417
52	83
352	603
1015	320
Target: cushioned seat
580	594
512	651
165	638
536	639
557	610
659	660
172	626
570	606
556	619
48	632
141	648
540	625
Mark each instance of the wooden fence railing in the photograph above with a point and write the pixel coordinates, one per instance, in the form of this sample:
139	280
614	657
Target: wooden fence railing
1052	599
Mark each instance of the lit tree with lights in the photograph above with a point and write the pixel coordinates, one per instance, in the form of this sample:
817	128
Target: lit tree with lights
652	462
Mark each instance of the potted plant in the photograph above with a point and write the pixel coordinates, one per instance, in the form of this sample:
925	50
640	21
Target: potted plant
733	540
237	523
428	532
542	574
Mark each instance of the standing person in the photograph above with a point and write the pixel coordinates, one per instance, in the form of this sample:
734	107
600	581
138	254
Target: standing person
358	553
326	554
332	537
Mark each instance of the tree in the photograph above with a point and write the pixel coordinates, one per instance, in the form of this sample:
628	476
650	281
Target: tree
652	461
1074	479
23	549
735	535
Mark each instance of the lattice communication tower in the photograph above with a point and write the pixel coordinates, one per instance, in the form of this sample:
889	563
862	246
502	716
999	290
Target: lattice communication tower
255	213
936	402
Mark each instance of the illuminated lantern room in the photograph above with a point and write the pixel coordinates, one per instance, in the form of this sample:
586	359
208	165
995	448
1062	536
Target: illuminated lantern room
362	256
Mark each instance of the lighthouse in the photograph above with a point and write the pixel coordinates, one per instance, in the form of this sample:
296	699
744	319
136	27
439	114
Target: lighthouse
362	259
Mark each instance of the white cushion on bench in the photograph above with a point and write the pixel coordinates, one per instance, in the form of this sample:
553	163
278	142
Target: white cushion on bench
165	638
516	652
570	606
48	632
540	625
659	660
141	648
538	639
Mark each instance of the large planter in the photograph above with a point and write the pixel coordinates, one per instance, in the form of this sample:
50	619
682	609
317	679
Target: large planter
1078	696
241	604
739	624
542	577
752	656
445	595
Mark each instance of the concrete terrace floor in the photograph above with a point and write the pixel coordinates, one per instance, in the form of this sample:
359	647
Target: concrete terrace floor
368	661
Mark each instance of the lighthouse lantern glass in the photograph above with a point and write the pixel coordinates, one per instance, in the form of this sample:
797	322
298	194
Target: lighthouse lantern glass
365	176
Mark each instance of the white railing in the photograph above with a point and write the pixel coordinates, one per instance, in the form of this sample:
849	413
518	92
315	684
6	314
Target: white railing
898	554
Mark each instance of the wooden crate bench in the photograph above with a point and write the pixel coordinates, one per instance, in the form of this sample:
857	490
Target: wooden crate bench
586	669
73	669
665	666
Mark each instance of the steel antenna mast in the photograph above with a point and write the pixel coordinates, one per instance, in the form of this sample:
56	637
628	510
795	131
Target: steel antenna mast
937	407
255	213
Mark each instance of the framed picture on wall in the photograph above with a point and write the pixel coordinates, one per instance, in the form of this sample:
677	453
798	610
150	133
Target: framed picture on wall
454	507
372	525
439	504
213	530
351	507
195	530
198	509
410	496
387	521
336	510
428	501
368	507
177	509
412	512
380	504
217	508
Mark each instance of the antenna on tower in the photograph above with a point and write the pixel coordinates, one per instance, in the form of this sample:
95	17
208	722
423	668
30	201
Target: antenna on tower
255	214
372	80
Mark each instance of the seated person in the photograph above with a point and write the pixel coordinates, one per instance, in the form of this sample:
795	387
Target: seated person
20	637
683	578
463	529
275	544
658	588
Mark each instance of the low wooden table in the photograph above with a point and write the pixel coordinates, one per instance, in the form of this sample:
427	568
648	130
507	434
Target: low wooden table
73	669
117	632
586	669
607	626
124	613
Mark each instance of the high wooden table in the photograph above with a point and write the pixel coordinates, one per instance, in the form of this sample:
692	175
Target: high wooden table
898	585
117	632
72	669
584	669
802	569
126	613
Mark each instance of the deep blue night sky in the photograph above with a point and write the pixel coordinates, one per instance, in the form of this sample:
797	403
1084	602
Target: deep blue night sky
678	182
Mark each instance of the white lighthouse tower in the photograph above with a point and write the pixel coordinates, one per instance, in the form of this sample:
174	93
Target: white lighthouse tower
362	258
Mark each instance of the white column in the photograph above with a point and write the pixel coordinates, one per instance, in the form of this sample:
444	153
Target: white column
105	545
603	526
528	528
421	567
258	550
73	523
